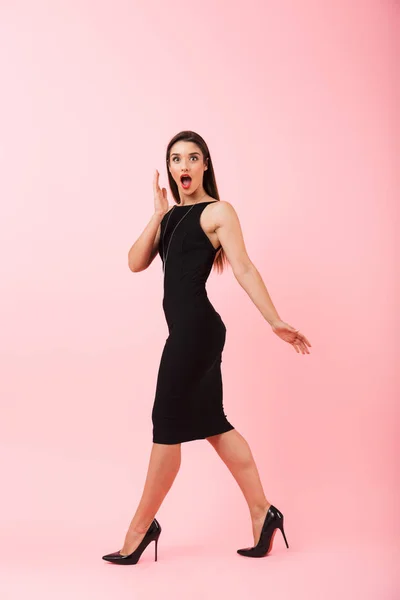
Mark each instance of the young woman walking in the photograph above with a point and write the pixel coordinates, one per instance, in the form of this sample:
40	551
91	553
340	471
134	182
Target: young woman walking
197	232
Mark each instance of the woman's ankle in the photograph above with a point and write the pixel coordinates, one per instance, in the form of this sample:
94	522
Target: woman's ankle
259	511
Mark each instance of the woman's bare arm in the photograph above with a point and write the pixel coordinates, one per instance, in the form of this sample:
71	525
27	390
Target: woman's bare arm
229	232
144	250
227	227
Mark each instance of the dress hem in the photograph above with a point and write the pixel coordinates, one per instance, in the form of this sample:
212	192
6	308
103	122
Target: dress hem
194	437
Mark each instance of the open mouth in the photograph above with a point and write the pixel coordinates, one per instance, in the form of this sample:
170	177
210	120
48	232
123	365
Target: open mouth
186	181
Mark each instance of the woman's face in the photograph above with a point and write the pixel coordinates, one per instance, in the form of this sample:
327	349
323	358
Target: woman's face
186	159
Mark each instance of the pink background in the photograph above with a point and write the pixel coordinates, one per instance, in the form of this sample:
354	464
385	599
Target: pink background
297	101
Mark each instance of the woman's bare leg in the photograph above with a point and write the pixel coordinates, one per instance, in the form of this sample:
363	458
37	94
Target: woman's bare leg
165	461
236	454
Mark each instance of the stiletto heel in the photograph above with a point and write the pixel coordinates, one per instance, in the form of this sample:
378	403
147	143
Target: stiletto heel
152	534
273	521
284	537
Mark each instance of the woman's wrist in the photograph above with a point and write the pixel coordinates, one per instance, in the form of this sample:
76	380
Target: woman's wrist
275	322
158	215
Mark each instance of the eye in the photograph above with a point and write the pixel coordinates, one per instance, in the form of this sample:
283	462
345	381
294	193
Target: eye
194	157
174	157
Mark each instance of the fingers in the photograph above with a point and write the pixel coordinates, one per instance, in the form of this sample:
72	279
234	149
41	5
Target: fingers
305	340
156	187
299	349
304	347
302	337
300	346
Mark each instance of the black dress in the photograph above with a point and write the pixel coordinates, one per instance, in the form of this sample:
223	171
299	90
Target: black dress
188	399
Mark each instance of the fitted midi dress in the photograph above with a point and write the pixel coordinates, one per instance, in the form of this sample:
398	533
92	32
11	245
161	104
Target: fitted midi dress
188	403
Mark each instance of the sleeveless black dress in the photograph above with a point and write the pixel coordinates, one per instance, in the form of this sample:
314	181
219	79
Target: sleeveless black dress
188	399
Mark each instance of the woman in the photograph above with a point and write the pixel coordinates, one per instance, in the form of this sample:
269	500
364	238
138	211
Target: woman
199	231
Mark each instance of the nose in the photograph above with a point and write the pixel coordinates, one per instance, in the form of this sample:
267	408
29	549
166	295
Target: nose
184	167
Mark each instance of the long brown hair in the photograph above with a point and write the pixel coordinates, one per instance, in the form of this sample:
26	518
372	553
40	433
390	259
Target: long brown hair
209	182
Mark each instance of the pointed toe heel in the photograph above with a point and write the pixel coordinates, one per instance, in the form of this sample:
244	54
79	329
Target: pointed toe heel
152	535
273	521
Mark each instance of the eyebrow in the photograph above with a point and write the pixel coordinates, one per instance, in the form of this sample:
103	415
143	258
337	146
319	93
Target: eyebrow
190	153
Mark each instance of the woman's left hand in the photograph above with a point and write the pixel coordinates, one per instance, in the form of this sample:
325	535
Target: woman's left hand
291	335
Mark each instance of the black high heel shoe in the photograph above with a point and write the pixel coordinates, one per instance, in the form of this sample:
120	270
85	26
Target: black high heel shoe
152	534
273	521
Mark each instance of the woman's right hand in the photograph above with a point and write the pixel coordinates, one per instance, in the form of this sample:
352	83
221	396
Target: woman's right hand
160	196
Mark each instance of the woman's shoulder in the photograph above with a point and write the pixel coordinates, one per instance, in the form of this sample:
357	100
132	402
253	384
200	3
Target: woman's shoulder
223	206
223	212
